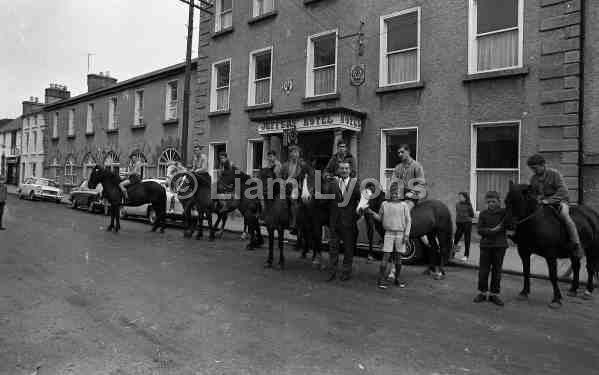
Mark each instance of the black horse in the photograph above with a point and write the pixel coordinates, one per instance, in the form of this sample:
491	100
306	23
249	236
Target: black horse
141	193
243	198
194	190
539	230
275	213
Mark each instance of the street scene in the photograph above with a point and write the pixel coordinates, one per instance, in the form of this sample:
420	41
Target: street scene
299	187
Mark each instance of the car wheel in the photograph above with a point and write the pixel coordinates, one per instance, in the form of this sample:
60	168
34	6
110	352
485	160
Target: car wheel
31	196
152	216
123	213
73	203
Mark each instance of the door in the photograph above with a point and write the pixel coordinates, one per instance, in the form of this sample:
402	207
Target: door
255	156
316	147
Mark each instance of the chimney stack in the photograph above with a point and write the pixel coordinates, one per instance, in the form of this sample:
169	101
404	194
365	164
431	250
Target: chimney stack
31	105
56	92
99	81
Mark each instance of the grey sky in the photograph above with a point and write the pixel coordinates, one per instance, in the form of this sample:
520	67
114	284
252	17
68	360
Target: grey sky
43	41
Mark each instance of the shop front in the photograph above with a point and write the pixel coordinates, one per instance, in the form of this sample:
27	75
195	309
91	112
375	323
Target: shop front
317	132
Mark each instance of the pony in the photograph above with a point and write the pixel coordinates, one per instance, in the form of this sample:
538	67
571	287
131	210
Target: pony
239	199
539	230
194	190
144	192
276	213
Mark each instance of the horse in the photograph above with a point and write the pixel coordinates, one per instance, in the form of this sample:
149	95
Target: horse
237	199
194	190
276	213
141	193
538	229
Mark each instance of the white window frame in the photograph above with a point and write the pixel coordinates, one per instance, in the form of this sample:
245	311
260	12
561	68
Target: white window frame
473	44
69	165
252	77
71	122
383	150
218	14
163	161
383	53
171	108
213	88
113	115
250	155
310	62
256	8
89	120
211	160
473	140
55	125
139	107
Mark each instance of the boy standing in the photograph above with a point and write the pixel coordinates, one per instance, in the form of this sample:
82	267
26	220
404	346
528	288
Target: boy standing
492	249
395	215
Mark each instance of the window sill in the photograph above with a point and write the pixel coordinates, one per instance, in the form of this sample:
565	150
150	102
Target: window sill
262	17
89	134
506	73
112	131
216	34
224	112
174	121
321	98
400	87
258	107
71	136
138	126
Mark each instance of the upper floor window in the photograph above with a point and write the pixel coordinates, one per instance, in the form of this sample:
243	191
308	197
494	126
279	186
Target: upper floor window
39	120
261	7
35	120
219	95
35	145
172	100
55	126
139	108
495	35
113	114
260	77
223	17
400	48
27	142
321	72
89	123
71	128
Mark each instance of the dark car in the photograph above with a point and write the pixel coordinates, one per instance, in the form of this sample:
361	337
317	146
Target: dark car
91	199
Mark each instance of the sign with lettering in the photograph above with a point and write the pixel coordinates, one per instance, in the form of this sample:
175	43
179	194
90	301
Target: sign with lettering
357	75
339	120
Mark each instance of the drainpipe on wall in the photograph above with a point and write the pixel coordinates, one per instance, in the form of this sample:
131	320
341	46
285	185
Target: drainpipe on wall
581	105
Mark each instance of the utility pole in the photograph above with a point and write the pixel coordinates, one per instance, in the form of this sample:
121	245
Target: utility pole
187	85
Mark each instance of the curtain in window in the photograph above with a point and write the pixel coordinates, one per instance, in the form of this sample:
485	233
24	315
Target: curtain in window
402	66
496	51
263	91
493	180
324	81
226	20
222	99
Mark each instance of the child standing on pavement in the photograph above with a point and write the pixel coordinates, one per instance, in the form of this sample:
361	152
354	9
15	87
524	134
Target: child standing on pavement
463	219
395	215
493	245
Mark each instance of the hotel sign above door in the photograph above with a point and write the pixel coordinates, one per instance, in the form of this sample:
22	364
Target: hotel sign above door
335	120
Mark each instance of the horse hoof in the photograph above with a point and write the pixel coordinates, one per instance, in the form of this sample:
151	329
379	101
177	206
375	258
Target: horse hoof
555	305
571	293
587	295
523	296
268	264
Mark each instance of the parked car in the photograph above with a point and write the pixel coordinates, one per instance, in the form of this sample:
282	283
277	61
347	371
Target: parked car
40	188
91	199
174	209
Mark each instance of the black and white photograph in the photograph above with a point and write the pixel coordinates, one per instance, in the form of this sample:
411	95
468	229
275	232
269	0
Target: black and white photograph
299	187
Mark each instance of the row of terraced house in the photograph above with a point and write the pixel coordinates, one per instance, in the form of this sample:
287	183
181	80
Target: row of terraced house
474	86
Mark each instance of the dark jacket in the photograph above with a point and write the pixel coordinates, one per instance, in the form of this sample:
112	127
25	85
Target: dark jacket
550	186
345	216
3	191
463	212
488	220
333	163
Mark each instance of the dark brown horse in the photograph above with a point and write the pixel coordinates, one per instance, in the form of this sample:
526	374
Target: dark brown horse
194	191
539	230
144	192
275	213
236	191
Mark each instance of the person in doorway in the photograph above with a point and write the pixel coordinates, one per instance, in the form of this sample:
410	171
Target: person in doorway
3	196
342	155
134	176
464	214
550	186
199	163
493	245
272	162
290	172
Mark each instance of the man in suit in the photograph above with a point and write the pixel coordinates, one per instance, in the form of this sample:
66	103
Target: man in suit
343	220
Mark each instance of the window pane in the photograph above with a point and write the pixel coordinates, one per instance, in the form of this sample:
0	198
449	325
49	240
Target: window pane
227	4
497	147
496	15
324	81
222	75
173	87
402	32
257	155
396	140
402	67
496	51
324	50
263	65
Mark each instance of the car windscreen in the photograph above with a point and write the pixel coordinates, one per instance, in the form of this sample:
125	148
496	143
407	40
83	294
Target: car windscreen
47	183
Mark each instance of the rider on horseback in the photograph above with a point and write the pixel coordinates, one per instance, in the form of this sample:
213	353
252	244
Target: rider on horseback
290	172
551	189
409	174
134	176
199	163
227	171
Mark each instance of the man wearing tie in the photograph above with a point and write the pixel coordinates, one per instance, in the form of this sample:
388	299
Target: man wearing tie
343	220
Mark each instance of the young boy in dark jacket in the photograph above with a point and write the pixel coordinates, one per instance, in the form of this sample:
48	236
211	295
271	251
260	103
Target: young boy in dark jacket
493	245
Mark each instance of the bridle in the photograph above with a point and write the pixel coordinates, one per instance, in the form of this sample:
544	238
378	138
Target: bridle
530	216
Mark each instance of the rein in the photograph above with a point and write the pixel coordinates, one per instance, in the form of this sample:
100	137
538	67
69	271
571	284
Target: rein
535	213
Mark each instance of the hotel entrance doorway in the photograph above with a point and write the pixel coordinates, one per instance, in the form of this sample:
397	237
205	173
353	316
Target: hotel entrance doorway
317	147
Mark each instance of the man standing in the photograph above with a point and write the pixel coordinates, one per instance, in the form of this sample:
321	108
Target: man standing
274	163
551	188
290	172
409	174
342	155
343	220
3	194
199	163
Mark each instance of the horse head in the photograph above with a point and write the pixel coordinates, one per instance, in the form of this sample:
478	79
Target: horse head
96	176
271	185
520	203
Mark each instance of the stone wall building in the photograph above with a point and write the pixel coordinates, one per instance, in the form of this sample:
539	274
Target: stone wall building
475	86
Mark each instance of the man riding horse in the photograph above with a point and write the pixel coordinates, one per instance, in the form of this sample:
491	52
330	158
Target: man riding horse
290	172
549	185
134	176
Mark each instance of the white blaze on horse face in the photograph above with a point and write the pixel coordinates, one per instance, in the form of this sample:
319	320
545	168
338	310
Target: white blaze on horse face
305	191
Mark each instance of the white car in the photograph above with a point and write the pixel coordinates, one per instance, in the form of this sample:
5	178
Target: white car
40	188
174	209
